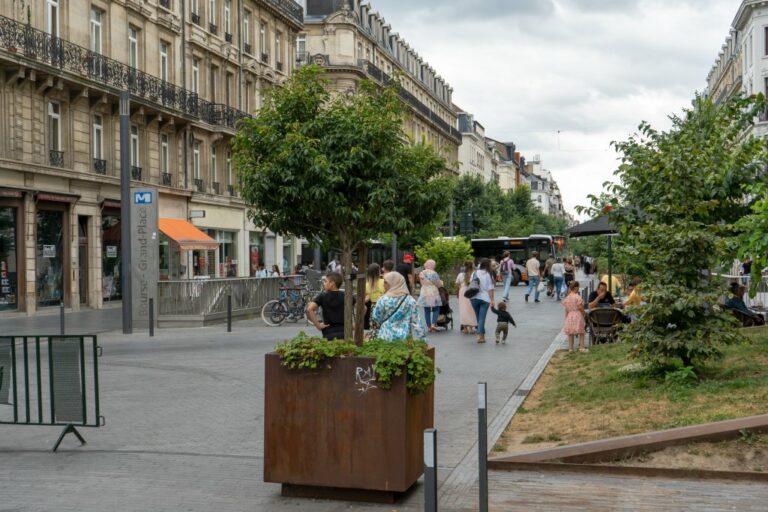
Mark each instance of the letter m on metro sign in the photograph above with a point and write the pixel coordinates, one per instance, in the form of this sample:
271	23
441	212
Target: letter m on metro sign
142	198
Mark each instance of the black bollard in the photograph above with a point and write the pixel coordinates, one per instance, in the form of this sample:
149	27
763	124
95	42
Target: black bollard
229	313
430	470
151	317
61	317
482	443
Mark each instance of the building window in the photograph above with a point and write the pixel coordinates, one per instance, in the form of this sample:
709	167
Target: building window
228	88
54	126
196	160
134	146
96	31
53	17
98	137
247	30
213	72
214	173
278	54
164	154
195	75
133	46
263	38
229	168
163	61
301	48
248	97
227	11
765	37
212	12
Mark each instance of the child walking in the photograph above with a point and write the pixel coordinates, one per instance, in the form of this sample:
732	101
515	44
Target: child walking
504	319
574	317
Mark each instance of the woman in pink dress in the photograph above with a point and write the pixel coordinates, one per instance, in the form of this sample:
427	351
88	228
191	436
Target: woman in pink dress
574	317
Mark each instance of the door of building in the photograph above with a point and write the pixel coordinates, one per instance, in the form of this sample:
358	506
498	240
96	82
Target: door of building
82	256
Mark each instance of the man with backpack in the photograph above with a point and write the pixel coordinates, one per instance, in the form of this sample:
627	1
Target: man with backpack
507	267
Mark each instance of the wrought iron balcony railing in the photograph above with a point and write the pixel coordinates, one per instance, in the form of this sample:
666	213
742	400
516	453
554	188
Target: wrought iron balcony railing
56	158
166	177
279	66
216	187
212	28
195	18
39	46
228	37
289	8
302	58
231	190
265	57
99	166
199	185
135	173
165	3
247	48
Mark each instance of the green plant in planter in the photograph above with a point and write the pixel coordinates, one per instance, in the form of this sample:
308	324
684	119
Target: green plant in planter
390	358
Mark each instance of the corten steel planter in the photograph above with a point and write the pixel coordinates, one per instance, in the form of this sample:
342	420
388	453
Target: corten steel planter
331	433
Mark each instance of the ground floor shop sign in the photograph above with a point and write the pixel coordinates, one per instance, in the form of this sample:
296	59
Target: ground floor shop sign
144	253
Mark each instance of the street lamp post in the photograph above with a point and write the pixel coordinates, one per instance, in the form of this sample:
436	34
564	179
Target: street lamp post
125	210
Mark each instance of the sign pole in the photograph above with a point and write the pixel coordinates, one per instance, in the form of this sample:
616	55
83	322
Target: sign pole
125	211
482	444
430	470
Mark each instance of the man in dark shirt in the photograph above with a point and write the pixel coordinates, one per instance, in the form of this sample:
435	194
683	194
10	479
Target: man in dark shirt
406	270
737	303
601	297
332	302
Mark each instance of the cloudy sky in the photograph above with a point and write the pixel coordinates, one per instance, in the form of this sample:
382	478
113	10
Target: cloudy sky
564	78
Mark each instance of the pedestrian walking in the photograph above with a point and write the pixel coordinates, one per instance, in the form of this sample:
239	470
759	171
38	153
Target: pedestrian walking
558	276
548	278
374	289
503	319
467	318
507	267
406	270
429	298
484	297
570	273
574	318
533	267
395	316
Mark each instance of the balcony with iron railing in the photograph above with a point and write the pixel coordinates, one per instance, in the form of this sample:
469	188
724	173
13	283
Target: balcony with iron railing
279	66
247	48
195	17
228	37
199	184
166	179
135	173
99	166
165	3
231	190
212	28
265	58
56	158
216	187
292	10
40	47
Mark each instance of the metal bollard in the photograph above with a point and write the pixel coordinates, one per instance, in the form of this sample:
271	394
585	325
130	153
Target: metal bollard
151	317
61	317
229	313
430	470
482	443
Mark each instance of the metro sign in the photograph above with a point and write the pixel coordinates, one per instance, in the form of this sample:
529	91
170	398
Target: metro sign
142	198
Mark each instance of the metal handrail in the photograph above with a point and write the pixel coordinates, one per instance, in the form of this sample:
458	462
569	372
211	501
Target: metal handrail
205	297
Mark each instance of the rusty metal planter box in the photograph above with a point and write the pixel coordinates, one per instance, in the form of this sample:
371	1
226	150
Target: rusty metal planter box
332	433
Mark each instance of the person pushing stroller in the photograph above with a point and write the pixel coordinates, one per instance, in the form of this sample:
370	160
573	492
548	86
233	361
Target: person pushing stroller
503	321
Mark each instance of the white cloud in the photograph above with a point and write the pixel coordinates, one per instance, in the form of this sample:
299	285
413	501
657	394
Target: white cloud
592	69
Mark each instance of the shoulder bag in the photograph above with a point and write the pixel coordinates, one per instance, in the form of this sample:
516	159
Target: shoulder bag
473	288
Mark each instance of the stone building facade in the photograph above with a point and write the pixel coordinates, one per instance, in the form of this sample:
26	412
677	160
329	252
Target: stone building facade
194	68
353	42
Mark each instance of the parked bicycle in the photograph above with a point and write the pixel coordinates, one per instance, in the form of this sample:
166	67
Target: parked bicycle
291	306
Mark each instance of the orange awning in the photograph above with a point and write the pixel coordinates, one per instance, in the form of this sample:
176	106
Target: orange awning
187	236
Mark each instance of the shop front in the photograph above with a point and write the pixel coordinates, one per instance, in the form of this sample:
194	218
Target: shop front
11	230
180	243
111	230
52	255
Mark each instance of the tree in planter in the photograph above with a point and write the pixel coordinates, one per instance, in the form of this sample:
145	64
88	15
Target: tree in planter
337	166
680	194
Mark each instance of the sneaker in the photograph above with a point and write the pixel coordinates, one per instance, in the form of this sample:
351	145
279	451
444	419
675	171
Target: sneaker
497	341
503	341
537	300
505	299
526	297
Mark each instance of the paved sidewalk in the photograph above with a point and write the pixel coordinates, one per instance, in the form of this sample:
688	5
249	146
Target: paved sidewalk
184	420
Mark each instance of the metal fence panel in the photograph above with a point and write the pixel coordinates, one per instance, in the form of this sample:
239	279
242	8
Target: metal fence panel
205	297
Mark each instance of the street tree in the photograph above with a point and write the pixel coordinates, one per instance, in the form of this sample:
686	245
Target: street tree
337	166
679	197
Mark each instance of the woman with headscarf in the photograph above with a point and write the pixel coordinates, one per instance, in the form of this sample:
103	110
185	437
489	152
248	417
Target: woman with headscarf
396	313
429	298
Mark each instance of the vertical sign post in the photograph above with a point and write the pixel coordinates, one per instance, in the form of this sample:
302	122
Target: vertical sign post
430	470
482	443
61	317
145	251
125	210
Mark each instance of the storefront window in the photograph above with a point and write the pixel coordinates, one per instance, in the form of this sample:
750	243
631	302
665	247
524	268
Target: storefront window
8	268
287	255
50	257
110	257
171	267
255	251
227	253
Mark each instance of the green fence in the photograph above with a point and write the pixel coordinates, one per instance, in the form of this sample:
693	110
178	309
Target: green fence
50	381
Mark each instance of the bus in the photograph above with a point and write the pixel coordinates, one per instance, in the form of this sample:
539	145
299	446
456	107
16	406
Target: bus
520	249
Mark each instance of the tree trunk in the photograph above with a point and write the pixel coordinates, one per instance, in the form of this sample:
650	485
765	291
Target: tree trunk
346	261
362	256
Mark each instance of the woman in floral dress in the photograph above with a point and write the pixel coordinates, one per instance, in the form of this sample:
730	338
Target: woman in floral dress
574	317
396	312
429	298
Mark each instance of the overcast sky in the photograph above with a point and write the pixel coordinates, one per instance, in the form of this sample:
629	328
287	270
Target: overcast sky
564	78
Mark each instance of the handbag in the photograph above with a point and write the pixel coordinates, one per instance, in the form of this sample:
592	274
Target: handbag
374	332
473	288
542	287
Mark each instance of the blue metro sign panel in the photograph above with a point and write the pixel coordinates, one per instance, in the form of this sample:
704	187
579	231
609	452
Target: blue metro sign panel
142	198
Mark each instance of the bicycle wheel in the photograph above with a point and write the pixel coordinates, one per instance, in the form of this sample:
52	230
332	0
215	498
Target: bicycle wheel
274	313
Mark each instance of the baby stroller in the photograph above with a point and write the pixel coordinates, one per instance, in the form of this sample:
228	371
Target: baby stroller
445	315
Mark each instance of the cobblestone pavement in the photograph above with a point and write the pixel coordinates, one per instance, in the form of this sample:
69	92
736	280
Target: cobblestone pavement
184	424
